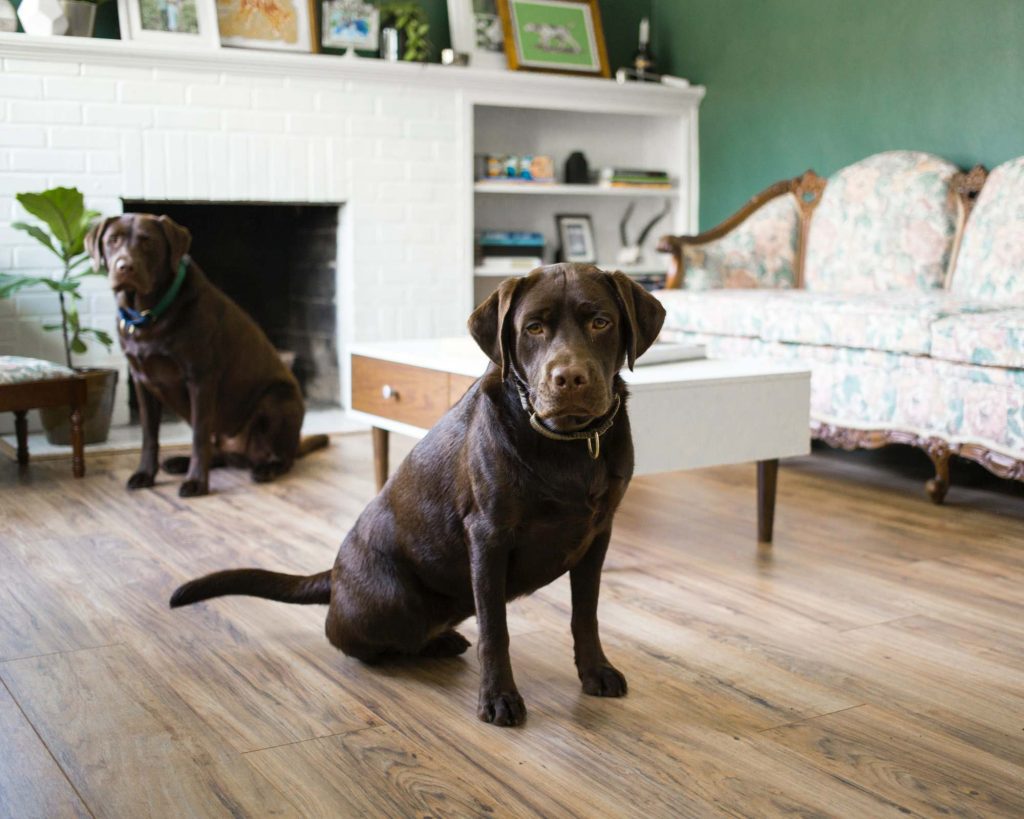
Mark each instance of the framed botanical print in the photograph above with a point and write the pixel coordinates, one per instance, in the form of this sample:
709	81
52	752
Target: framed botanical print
564	36
183	23
283	25
476	30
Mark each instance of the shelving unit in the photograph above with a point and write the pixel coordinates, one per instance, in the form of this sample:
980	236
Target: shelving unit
562	189
637	132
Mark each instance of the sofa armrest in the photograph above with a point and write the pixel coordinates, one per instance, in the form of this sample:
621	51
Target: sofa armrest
722	251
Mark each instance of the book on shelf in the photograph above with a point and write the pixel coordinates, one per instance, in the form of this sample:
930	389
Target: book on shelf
503	265
634	177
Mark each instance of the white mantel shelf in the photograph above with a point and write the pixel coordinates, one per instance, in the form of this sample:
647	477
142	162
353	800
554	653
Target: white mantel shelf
558	91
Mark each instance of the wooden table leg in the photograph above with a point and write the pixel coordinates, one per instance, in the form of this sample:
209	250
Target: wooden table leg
380	456
77	447
21	432
767	479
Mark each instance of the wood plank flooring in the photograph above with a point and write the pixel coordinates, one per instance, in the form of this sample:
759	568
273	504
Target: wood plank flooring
870	664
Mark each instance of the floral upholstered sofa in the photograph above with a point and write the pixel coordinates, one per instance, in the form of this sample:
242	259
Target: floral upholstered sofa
899	281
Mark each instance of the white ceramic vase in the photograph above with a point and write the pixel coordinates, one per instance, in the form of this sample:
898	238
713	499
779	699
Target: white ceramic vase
44	17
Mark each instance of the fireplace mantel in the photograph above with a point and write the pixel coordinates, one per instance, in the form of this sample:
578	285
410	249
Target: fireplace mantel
505	87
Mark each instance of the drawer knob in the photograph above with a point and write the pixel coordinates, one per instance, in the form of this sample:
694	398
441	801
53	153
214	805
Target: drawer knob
387	392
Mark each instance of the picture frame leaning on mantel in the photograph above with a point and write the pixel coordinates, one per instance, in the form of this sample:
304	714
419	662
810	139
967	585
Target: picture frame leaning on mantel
556	36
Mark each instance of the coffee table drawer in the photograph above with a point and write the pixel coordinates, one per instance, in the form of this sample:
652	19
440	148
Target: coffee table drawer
412	395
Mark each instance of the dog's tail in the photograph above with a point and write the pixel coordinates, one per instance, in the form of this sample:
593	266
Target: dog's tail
311	443
287	588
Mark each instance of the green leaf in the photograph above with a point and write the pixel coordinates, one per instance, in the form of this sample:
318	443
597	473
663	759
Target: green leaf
73	321
39	235
9	285
53	326
78	346
101	336
63	211
61	287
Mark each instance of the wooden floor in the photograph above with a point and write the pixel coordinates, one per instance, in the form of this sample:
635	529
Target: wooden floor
871	664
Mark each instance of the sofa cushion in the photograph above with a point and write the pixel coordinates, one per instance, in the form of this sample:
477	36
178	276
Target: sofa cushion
885	223
722	312
991	260
892	322
983	338
15	369
760	252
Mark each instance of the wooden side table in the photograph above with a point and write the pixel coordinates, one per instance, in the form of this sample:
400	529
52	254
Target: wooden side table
684	415
27	384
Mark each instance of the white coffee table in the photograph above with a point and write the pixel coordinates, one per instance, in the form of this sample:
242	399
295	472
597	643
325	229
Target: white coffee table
685	415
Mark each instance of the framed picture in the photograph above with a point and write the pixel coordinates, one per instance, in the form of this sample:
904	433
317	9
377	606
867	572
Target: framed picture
476	29
188	23
350	24
554	35
283	25
576	237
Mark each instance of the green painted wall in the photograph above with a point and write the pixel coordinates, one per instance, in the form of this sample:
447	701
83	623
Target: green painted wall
794	84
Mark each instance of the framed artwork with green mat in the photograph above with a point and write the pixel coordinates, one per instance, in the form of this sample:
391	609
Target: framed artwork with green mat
563	36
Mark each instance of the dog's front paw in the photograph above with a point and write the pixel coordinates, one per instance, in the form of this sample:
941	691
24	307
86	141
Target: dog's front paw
193	489
501	708
603	681
140	480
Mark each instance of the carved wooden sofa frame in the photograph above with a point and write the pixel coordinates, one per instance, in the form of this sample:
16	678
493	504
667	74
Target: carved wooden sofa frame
807	190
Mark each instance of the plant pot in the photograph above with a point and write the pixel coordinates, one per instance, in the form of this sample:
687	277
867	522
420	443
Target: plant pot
99	407
81	17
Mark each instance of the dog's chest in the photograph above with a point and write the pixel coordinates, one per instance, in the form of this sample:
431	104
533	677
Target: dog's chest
154	370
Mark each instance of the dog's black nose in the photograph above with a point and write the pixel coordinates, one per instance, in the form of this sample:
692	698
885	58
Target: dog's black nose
568	378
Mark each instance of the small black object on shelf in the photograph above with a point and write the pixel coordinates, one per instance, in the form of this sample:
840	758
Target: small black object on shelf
577	170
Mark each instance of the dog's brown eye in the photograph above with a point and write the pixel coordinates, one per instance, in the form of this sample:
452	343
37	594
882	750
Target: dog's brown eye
600	323
535	328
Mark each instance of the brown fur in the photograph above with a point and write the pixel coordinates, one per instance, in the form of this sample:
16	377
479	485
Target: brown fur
485	509
205	359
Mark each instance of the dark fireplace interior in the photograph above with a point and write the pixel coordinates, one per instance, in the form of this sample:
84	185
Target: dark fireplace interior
279	263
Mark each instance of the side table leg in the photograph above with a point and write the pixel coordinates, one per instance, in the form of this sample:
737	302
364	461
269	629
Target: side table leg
380	456
21	432
767	479
77	447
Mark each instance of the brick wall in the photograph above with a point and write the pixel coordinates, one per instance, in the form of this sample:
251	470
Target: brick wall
392	155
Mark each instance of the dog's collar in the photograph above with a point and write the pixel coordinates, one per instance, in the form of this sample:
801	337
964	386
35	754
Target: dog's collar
130	319
592	435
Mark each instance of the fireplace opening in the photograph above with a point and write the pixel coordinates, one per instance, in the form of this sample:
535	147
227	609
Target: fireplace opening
278	261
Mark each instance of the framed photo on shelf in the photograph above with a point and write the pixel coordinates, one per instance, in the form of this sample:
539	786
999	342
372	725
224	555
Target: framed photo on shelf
184	23
576	238
476	29
282	25
563	36
350	24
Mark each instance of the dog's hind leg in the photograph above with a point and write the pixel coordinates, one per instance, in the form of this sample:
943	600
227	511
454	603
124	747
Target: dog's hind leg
447	644
178	464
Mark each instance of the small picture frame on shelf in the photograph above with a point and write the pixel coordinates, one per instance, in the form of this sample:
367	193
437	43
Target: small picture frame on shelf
476	29
350	24
279	25
182	23
562	36
576	238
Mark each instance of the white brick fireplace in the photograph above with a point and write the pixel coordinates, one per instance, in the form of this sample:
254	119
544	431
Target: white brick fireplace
390	144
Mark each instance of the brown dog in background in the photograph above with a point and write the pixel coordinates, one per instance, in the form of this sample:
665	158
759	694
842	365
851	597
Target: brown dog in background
203	357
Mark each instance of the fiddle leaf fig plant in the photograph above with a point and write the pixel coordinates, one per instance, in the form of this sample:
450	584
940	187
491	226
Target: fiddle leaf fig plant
62	211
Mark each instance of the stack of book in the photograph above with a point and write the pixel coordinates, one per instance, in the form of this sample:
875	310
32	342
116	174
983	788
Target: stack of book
510	251
634	178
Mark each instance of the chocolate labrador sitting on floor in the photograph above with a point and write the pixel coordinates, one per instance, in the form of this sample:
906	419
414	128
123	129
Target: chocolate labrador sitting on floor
193	349
514	486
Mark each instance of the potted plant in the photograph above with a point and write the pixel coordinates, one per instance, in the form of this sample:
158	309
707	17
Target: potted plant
63	212
410	20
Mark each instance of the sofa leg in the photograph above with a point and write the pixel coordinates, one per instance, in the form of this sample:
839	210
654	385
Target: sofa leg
938	486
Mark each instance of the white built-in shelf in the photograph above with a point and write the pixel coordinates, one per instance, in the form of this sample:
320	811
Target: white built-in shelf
562	189
629	270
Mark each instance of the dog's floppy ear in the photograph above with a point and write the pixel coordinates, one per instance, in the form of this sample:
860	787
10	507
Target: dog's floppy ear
179	240
490	321
94	242
642	313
